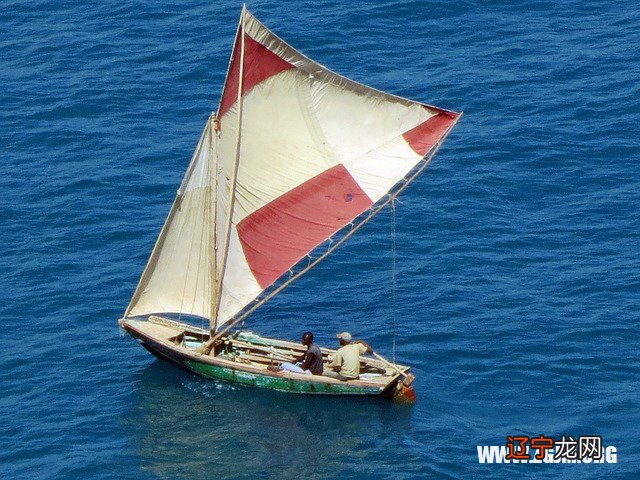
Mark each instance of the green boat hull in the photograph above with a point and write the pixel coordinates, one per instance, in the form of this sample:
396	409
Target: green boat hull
275	383
272	382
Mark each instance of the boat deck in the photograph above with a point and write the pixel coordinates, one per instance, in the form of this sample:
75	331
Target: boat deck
247	352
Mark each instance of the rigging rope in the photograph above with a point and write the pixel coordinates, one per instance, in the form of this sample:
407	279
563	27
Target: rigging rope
393	276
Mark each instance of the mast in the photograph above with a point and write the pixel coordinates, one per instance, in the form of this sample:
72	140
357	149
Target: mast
215	307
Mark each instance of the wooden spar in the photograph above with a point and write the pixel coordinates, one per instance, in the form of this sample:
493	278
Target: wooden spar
215	309
262	348
213	208
372	212
408	378
388	364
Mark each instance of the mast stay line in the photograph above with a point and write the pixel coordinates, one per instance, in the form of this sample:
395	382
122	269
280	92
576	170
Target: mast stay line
206	348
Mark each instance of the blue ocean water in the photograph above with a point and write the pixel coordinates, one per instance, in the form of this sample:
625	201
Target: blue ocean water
518	250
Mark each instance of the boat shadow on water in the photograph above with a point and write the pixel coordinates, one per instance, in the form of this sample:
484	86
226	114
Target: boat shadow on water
184	426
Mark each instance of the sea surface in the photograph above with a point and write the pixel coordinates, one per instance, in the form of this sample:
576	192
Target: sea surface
518	250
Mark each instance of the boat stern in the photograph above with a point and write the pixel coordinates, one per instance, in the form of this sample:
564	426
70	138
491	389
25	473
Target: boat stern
404	392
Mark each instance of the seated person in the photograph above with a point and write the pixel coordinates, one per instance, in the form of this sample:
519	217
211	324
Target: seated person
346	364
308	363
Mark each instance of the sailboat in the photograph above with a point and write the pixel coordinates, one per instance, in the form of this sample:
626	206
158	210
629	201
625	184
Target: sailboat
295	160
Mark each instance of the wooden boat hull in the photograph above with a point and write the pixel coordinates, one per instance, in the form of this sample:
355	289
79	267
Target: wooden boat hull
237	376
219	369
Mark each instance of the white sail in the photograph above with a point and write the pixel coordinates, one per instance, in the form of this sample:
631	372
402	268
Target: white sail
316	150
178	276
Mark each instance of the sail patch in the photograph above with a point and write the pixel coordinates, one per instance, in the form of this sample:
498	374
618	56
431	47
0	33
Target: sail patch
260	63
423	137
275	237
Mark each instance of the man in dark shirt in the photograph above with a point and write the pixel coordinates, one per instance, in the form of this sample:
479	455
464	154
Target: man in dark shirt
309	362
312	358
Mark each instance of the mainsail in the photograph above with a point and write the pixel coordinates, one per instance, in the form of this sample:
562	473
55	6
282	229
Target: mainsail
309	150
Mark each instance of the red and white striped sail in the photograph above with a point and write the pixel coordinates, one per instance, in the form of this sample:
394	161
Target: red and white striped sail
316	151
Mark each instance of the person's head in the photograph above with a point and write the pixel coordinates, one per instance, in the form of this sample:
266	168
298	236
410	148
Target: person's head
307	338
344	337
